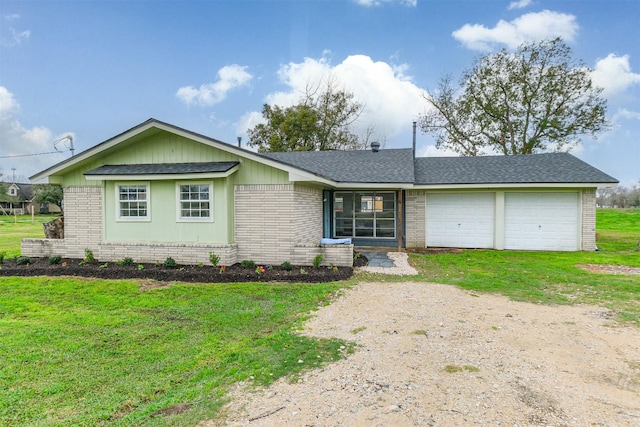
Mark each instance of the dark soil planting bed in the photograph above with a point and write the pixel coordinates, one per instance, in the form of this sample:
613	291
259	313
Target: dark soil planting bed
179	273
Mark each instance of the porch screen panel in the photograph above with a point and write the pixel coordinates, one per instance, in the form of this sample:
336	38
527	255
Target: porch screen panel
343	214
366	214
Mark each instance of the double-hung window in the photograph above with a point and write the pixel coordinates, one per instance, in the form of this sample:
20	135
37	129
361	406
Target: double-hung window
195	201
133	202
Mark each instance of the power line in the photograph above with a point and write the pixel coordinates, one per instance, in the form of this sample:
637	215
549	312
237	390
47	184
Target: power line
28	155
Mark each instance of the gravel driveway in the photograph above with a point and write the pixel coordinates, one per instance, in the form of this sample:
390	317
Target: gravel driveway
435	355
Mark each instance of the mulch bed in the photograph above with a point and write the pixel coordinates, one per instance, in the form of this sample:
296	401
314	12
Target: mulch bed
180	273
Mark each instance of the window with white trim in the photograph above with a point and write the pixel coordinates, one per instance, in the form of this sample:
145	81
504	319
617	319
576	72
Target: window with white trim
133	202
195	201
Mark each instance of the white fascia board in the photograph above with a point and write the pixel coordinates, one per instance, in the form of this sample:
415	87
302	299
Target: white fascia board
159	177
92	151
374	185
497	185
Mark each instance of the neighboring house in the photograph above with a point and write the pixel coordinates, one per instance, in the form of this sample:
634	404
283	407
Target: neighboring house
22	194
158	191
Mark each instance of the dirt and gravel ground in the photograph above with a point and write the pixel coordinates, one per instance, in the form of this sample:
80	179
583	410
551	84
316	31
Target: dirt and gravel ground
435	355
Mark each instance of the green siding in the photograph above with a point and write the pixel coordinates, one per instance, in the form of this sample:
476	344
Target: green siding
164	226
165	147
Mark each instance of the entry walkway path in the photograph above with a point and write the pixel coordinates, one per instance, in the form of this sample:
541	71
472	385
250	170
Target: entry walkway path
388	263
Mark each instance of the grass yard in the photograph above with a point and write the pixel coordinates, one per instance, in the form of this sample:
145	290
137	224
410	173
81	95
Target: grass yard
552	277
91	352
15	228
84	352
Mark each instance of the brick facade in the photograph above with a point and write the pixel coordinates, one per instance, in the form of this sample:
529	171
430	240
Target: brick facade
588	220
415	223
273	224
283	222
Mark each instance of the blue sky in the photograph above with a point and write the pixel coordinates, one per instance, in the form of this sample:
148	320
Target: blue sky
93	69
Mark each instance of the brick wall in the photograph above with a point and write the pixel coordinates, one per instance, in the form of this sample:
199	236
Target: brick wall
589	220
415	202
283	222
273	224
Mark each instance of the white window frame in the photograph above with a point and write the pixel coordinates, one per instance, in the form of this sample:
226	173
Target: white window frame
121	218
179	217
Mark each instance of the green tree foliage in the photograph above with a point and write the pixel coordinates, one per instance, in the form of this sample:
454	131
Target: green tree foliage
321	120
4	194
537	99
46	193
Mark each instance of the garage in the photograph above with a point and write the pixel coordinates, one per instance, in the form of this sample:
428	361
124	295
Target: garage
460	220
542	221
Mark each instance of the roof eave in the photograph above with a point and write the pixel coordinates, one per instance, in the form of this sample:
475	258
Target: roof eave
492	185
161	176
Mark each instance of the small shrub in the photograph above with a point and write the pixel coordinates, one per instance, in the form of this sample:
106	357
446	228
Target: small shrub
356	255
247	263
260	270
3	254
169	262
125	261
214	259
303	271
140	267
55	259
23	260
286	266
105	265
317	260
88	255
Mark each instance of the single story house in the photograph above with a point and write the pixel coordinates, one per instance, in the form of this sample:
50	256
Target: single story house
158	191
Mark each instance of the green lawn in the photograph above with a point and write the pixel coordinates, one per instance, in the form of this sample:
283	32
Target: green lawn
83	352
15	228
552	277
90	352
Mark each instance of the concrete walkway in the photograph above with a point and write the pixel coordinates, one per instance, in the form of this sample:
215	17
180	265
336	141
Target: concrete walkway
396	263
378	259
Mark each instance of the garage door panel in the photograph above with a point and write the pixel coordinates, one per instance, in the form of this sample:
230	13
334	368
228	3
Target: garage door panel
541	221
460	220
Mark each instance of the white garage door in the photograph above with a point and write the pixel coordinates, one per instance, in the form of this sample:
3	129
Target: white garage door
541	221
460	220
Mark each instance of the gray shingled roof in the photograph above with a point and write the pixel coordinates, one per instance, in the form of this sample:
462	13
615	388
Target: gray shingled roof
515	169
163	168
363	166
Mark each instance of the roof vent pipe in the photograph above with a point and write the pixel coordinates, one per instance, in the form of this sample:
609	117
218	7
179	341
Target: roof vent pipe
239	142
414	140
375	147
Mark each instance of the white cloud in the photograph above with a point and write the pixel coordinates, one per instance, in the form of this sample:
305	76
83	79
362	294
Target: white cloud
229	77
528	27
614	74
12	37
519	4
371	3
431	151
23	148
623	113
391	100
